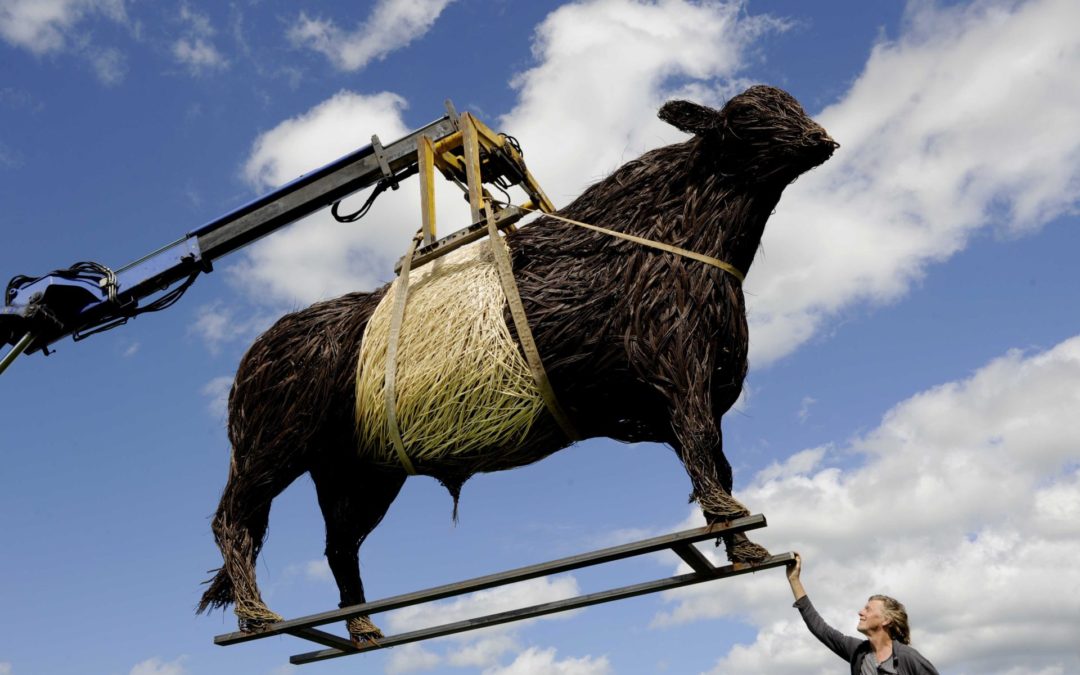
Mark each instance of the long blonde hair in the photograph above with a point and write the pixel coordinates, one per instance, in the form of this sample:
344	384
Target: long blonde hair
896	615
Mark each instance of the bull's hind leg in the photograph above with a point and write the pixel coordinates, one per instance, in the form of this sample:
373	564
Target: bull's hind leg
354	497
239	528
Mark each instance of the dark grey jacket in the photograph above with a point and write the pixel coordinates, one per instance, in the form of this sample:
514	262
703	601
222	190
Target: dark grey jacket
905	659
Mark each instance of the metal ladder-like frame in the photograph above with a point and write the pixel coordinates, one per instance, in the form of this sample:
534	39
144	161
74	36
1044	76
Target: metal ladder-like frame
681	543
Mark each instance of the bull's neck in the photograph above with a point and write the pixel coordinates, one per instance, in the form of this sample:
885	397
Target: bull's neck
734	227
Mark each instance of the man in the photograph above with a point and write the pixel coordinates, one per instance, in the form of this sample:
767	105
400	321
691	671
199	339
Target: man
883	621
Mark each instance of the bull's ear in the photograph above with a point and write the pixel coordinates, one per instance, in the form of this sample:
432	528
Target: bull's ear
689	117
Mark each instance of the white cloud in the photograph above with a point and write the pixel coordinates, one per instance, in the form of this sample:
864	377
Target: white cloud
195	49
8	158
156	666
331	129
482	603
391	26
197	22
485	647
924	131
618	59
5	668
534	661
312	570
217	391
319	257
43	26
963	503
483	652
961	123
52	26
411	658
318	570
109	64
46	26
198	55
217	325
633	48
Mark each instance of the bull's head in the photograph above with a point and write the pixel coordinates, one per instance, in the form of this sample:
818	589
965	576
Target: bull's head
762	134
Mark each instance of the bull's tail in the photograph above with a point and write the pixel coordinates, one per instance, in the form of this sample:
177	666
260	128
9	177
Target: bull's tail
220	593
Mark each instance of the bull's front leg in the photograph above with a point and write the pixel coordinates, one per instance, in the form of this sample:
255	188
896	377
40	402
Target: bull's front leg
699	443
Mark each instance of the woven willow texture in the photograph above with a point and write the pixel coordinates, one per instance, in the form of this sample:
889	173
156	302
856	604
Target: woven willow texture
463	386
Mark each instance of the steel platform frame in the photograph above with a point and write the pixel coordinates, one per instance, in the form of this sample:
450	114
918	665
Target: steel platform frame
681	543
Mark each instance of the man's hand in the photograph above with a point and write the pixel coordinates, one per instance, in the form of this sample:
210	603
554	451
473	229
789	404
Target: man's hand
793	570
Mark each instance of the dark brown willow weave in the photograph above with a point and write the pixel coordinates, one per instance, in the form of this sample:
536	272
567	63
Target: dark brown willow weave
639	344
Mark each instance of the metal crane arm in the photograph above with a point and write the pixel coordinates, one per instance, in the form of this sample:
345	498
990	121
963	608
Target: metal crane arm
88	298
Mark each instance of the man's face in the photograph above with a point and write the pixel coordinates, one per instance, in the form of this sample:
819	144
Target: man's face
871	617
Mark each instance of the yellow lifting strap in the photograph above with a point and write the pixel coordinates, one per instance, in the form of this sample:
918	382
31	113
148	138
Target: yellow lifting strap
471	136
401	294
708	260
521	323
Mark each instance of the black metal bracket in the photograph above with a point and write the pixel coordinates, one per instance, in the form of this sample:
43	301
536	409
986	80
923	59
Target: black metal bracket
384	164
681	543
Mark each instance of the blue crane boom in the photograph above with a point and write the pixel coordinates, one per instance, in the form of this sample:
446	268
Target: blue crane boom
89	297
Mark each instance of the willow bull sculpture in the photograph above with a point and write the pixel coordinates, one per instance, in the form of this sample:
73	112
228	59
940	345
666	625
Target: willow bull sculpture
639	345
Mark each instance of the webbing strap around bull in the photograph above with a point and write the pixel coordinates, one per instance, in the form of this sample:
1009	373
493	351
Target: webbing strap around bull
521	324
659	245
397	316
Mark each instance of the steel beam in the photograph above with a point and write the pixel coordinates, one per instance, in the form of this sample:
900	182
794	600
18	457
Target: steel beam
611	554
548	608
681	543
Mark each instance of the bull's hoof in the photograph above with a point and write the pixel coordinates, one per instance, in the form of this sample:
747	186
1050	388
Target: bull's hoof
742	550
363	632
255	617
257	625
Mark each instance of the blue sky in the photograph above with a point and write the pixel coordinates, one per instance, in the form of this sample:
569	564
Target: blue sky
909	423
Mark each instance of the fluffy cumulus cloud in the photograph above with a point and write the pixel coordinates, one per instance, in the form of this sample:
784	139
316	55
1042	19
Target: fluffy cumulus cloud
216	392
320	257
959	124
534	661
195	49
218	325
924	130
964	503
635	49
502	599
411	658
531	661
391	26
44	26
486	649
156	666
620	60
317	570
52	26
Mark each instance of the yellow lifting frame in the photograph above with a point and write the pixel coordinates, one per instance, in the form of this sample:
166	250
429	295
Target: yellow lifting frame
471	137
461	155
425	151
